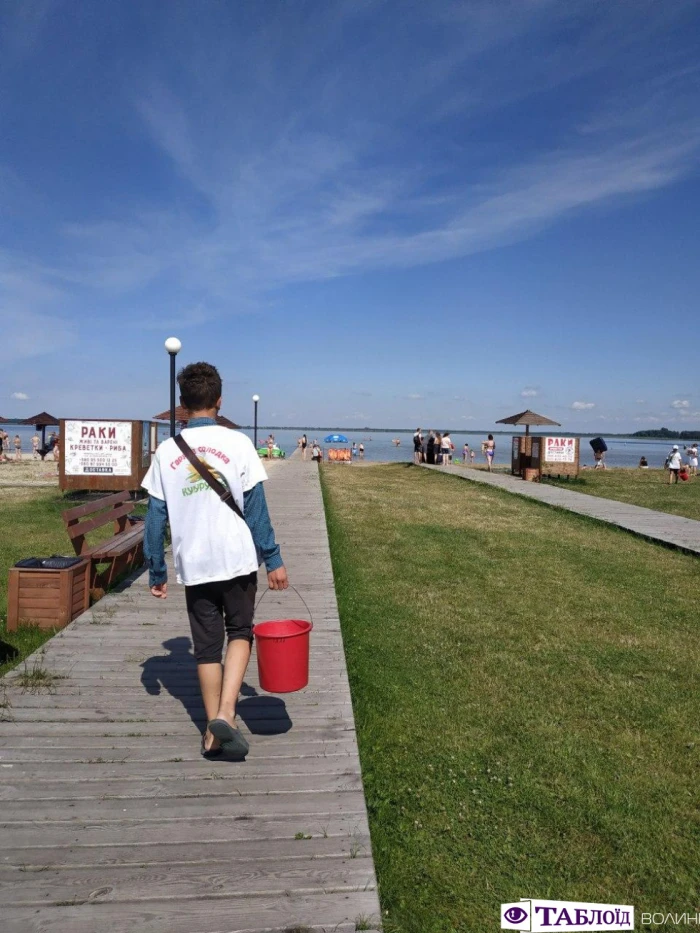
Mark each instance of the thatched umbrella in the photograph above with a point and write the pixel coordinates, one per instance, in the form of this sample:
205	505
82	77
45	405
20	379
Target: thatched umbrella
182	416
528	418
42	421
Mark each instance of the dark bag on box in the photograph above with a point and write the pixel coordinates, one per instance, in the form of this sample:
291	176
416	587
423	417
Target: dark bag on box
48	563
29	563
60	563
598	444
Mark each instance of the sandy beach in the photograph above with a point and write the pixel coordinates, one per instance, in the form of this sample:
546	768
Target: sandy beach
28	473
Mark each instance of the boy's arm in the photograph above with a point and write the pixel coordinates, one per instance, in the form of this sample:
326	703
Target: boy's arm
154	540
257	519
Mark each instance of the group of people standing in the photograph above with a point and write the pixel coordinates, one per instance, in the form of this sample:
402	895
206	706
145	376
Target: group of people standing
439	449
676	468
38	453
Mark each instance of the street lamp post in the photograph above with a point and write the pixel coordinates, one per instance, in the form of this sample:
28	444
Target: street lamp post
256	399
173	346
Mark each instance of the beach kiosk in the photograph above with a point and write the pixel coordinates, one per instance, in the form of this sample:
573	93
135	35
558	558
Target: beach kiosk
105	455
535	456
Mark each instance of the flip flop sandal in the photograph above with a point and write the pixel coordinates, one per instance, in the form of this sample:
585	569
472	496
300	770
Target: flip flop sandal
210	752
232	740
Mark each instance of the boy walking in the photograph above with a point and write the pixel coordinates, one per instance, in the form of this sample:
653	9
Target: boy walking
216	551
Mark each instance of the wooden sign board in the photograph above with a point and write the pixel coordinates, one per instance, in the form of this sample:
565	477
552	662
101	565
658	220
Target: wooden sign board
559	456
104	455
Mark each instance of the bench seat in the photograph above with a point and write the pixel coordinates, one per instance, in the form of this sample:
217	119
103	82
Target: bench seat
123	551
117	545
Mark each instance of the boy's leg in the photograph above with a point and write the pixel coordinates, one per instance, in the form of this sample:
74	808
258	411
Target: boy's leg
205	611
235	665
239	607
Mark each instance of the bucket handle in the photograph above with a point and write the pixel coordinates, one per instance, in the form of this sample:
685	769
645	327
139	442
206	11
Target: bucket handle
291	587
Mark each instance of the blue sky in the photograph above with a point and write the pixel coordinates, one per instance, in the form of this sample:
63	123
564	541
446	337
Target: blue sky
382	213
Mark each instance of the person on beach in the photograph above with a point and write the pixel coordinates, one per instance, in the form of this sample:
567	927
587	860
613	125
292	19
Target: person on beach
215	551
692	452
316	453
490	451
643	463
674	462
18	447
446	448
465	453
362	451
438	447
304	444
599	457
36	440
430	448
417	446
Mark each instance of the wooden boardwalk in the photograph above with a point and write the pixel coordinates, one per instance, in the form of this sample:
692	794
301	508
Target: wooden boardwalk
672	530
111	820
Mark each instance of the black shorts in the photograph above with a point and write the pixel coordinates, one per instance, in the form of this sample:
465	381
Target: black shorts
227	605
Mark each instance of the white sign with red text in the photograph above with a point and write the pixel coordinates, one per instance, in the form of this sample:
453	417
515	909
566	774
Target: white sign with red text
97	447
560	450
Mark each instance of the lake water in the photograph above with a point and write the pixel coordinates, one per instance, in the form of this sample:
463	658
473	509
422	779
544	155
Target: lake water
622	452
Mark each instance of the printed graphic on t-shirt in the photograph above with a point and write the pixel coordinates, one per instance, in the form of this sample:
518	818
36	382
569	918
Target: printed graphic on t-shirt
195	482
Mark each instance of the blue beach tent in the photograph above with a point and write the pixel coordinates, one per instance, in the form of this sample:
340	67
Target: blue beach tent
335	439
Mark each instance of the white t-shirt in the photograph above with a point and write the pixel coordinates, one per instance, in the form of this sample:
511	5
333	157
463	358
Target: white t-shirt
210	542
674	460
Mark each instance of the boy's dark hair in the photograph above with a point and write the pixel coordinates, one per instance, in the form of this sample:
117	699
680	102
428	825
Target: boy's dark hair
200	386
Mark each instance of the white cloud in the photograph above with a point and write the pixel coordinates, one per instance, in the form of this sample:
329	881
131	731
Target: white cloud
583	406
20	396
415	397
680	403
530	392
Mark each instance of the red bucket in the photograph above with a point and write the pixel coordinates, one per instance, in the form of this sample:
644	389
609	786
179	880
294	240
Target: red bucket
282	648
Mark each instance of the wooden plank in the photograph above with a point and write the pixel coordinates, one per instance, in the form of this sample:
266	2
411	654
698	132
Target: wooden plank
24	777
200	880
78	511
105	841
337	912
184	851
205	806
39	579
220	779
39	602
117	545
22	749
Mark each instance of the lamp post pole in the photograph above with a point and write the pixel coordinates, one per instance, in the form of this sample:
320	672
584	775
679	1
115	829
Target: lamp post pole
173	346
256	399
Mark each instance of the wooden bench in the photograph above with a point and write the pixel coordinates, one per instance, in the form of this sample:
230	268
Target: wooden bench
123	551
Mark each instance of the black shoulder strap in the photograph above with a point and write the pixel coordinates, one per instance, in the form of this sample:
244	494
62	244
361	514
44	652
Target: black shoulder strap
206	474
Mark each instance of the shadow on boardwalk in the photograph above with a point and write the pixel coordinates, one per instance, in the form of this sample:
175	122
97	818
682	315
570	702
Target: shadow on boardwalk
176	673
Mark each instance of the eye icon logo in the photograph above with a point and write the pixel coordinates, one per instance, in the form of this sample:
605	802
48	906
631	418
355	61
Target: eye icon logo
516	916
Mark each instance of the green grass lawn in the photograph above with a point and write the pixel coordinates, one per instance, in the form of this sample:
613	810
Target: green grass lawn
525	693
32	527
639	487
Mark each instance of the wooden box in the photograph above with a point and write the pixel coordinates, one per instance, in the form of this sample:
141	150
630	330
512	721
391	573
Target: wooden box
47	598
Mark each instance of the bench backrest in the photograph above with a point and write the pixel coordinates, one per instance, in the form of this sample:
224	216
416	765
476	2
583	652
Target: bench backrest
115	508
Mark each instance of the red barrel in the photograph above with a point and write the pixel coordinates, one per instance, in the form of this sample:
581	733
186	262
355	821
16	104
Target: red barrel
282	647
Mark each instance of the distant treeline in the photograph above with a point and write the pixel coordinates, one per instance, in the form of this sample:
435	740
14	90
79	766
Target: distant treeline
667	434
